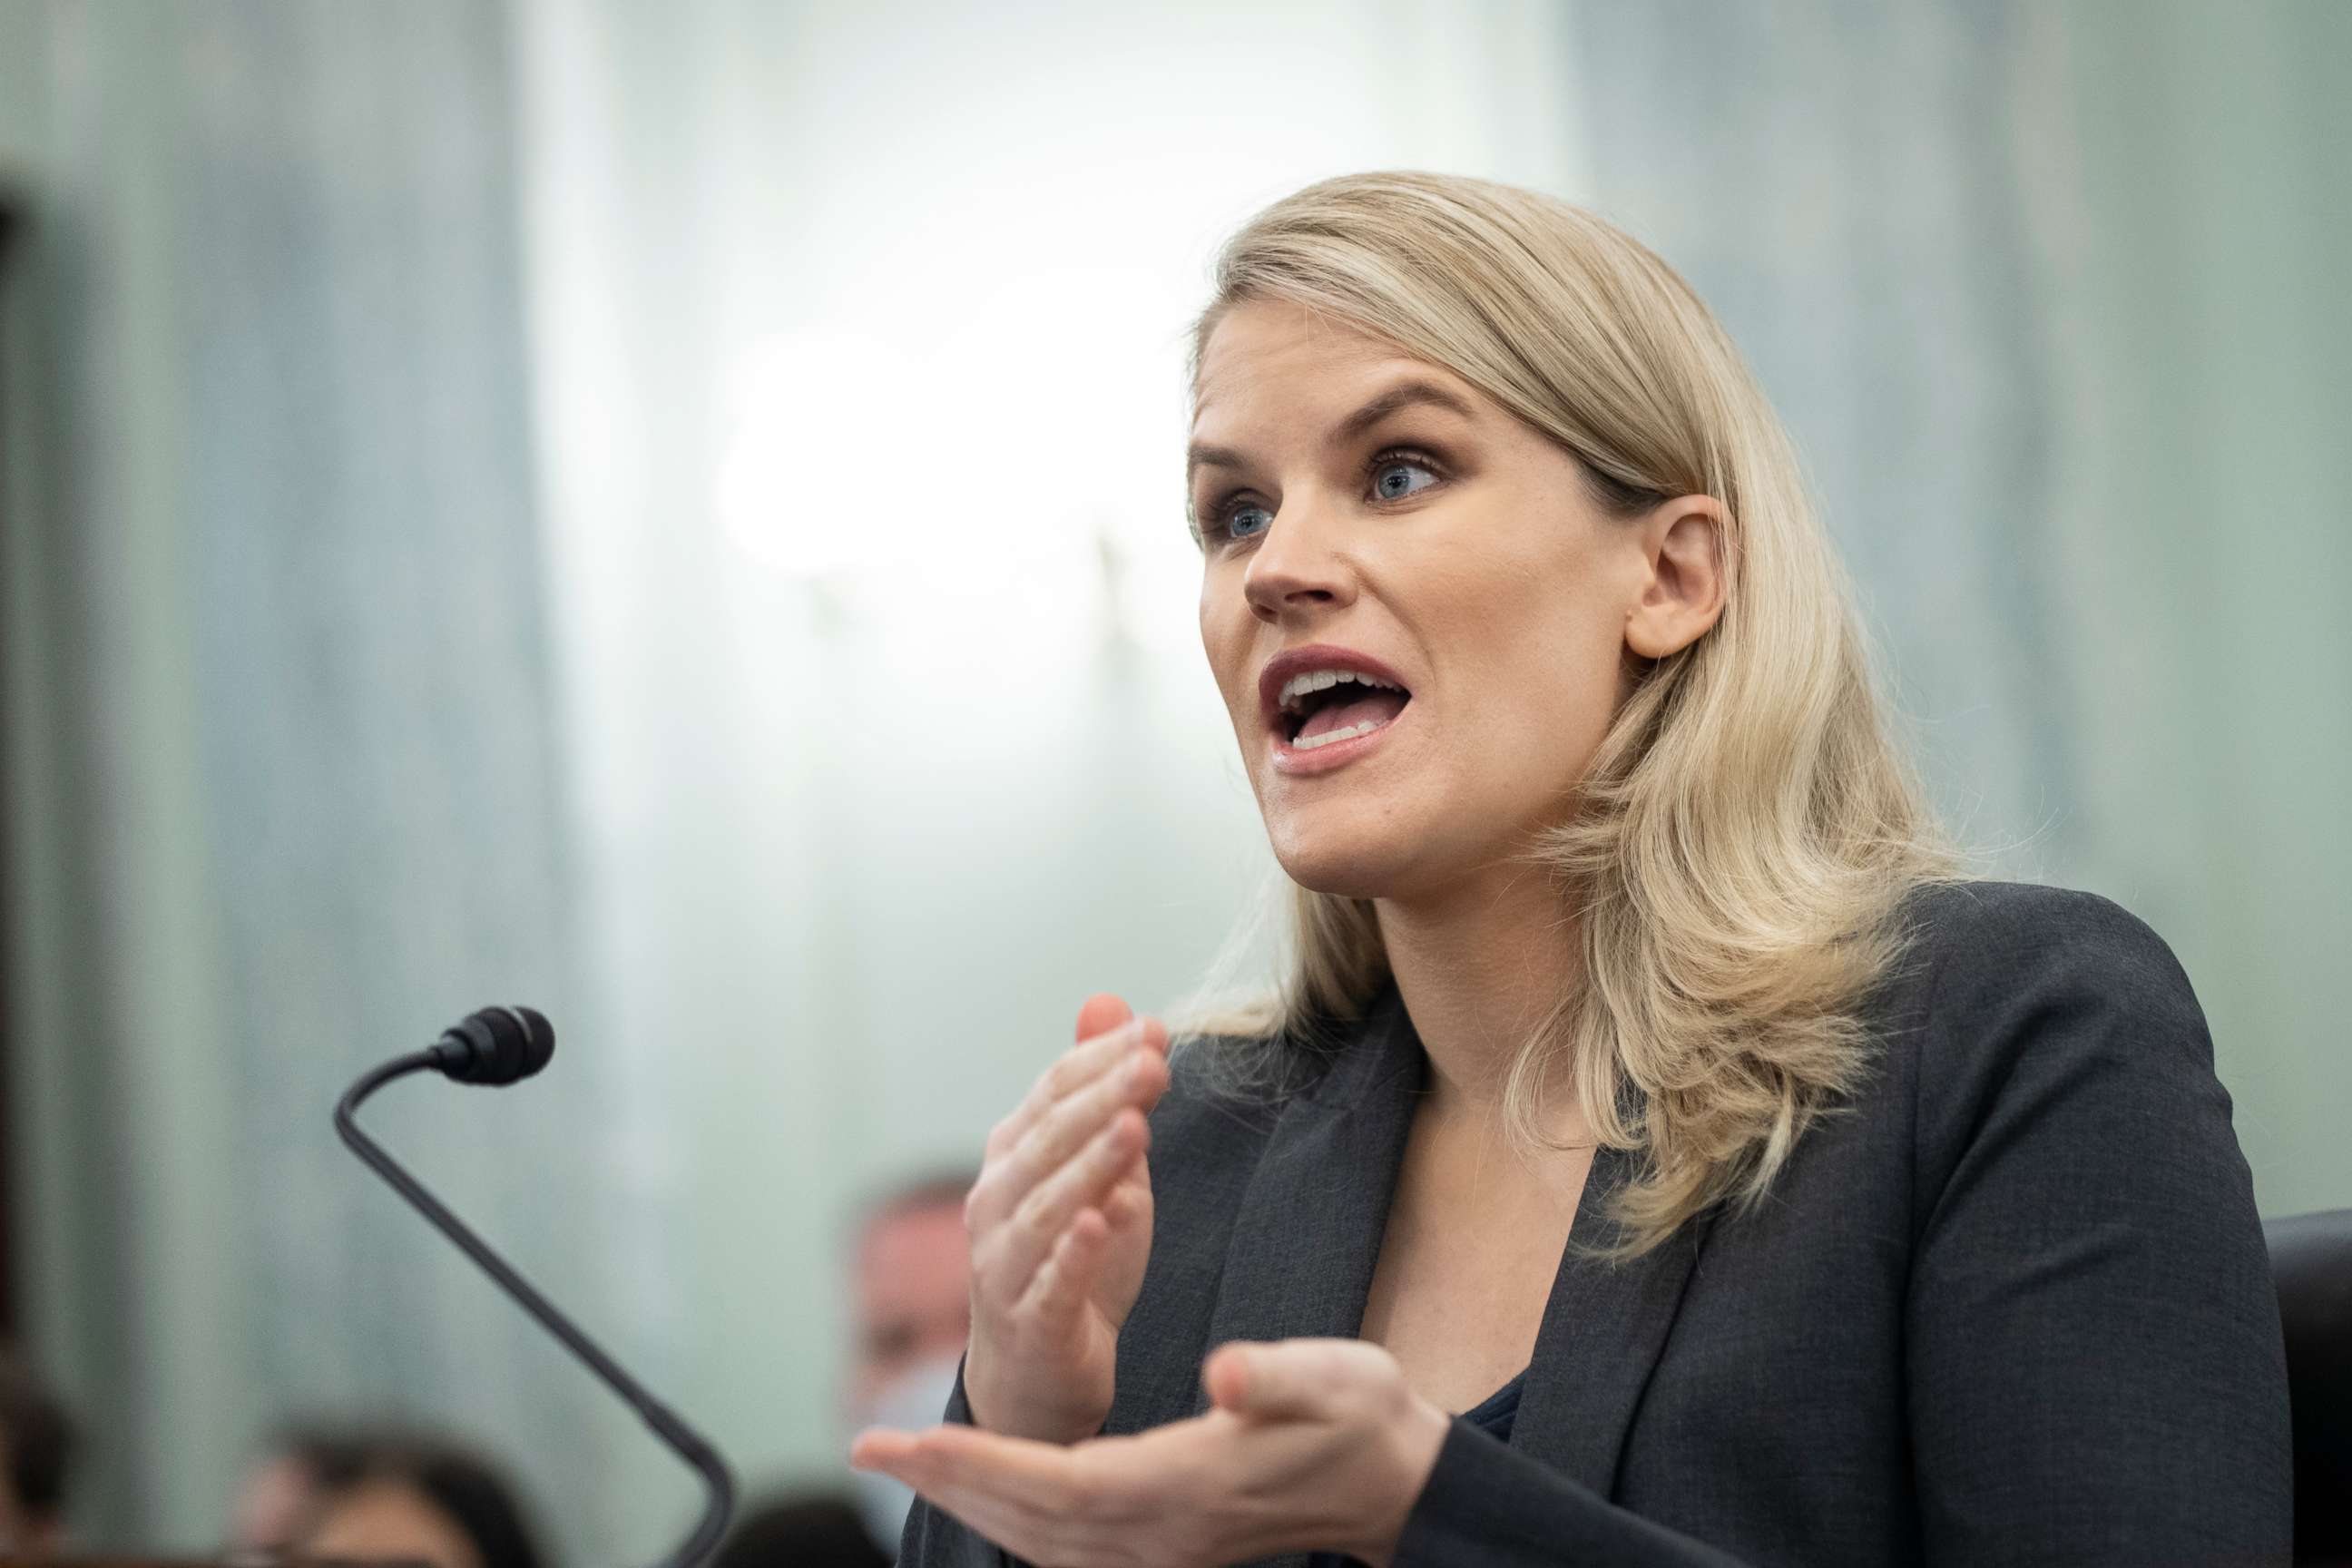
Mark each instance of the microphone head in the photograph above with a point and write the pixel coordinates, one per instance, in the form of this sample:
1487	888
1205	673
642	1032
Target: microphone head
495	1046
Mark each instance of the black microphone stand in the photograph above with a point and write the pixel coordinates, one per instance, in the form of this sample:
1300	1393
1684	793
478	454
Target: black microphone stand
688	1443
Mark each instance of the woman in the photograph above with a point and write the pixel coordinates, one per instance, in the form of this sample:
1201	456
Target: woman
1649	1087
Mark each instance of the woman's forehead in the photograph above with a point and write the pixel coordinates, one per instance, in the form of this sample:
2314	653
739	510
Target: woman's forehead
1268	355
1259	338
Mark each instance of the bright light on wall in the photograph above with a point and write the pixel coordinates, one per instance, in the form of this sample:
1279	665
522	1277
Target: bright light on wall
1018	469
813	430
1041	421
960	395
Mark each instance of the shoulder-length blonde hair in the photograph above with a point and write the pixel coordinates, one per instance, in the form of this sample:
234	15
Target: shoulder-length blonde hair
1739	848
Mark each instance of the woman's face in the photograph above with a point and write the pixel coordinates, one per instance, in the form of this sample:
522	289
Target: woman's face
1373	518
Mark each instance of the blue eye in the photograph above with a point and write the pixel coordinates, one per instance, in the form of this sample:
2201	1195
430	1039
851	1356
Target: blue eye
1247	521
1395	481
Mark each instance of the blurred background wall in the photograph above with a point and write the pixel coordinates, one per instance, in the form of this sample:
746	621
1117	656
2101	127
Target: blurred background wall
672	512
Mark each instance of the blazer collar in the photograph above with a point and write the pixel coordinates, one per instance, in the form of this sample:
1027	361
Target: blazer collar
1309	1229
1307	1233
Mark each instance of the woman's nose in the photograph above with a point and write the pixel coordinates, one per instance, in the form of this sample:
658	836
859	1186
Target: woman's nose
1298	566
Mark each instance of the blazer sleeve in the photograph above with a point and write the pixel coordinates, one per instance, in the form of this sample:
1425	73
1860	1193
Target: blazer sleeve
1487	1505
2096	1372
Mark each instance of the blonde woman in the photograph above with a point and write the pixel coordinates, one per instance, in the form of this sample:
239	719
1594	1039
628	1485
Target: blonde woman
1659	1152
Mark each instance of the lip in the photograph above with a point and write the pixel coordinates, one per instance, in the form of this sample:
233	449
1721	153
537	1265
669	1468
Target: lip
1318	656
1295	764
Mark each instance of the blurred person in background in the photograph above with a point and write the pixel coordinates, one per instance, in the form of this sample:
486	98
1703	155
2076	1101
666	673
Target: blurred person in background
36	1451
1663	1148
910	1277
282	1492
911	1315
814	1531
414	1499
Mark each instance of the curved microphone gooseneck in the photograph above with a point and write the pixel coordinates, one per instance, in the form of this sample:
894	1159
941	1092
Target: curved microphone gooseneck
496	1047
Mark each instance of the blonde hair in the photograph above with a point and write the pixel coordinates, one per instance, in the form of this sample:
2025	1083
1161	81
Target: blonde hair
1746	832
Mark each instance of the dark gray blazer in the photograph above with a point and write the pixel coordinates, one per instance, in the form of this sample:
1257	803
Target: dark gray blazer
2010	1305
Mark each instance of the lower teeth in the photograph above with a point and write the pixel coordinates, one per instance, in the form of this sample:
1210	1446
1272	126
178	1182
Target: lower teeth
1305	744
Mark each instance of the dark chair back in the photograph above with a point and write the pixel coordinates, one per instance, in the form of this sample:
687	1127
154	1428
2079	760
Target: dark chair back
2311	1260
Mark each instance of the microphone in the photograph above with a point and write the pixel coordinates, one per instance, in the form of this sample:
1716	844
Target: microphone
494	1047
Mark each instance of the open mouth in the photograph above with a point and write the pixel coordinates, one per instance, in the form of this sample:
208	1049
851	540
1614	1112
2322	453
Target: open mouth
1322	707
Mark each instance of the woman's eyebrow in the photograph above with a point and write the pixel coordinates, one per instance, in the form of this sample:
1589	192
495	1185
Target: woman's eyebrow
1405	395
1201	455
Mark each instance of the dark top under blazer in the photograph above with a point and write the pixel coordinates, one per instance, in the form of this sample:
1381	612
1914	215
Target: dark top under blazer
2010	1305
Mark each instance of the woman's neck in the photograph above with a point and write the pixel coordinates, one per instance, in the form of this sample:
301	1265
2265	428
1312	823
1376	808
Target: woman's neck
1480	968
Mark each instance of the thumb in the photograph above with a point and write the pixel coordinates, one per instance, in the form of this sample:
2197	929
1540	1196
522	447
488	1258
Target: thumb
1290	1378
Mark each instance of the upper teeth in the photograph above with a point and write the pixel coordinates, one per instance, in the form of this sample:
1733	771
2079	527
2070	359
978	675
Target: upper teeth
1298	686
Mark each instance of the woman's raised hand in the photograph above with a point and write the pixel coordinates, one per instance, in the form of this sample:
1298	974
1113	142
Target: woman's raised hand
1060	1224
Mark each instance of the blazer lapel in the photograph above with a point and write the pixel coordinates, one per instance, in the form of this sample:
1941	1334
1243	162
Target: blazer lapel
1309	1230
1307	1233
1603	1331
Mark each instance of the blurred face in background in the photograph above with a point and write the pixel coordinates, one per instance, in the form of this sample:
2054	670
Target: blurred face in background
273	1502
1355	499
912	1284
390	1521
913	1291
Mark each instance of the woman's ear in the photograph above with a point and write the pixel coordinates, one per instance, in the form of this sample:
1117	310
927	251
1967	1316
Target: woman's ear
1683	543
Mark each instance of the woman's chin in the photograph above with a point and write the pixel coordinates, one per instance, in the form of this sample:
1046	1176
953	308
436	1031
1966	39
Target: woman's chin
1343	869
1401	857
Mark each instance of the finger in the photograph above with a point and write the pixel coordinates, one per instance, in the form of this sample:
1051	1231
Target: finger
899	1456
1000	1186
1073	1069
1130	1204
880	1448
1016	1472
1287	1379
1137	1080
1018	1248
1066	1278
1094	1476
1052	1143
1101	1013
1087	1502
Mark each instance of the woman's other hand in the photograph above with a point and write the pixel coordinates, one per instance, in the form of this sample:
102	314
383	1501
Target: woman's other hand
1312	1445
1060	1224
